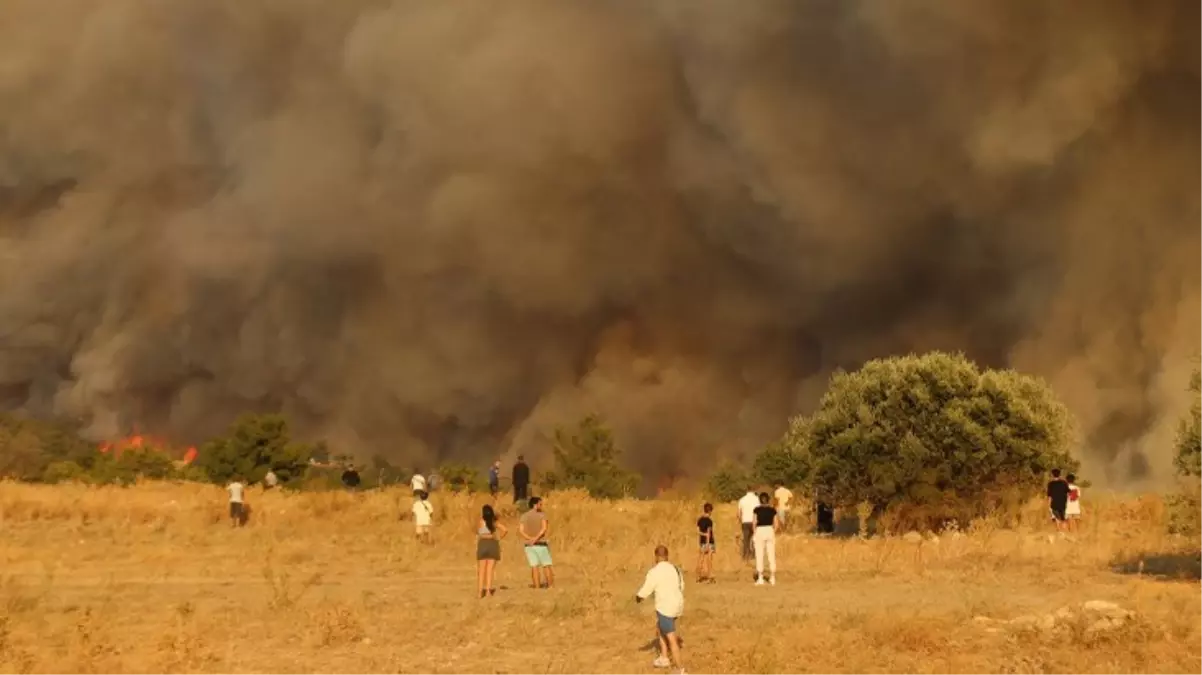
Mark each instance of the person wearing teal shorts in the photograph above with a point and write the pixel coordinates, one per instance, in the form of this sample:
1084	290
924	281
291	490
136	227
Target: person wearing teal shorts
534	528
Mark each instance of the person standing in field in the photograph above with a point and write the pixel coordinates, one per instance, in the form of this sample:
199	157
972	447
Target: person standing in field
1072	507
270	480
418	482
766	525
423	516
784	498
236	488
666	582
521	480
494	479
534	527
489	534
705	556
746	509
1057	499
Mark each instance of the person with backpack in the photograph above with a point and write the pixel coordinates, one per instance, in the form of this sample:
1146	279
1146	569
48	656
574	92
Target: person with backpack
666	582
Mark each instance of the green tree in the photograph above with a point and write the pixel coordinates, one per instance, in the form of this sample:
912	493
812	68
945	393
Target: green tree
782	463
28	446
254	444
1189	450
729	482
932	432
587	457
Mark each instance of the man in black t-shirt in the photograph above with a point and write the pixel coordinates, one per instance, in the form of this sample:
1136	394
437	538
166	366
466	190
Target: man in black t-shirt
705	533
521	480
1057	498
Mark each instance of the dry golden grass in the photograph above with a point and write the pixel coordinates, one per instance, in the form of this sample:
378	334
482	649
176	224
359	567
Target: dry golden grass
152	578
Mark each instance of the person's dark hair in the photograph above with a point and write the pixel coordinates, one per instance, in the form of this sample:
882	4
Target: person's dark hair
764	498
661	552
423	495
708	508
1055	473
534	501
1070	478
490	518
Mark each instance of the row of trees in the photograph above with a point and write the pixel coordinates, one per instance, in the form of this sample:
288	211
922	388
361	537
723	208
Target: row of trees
932	437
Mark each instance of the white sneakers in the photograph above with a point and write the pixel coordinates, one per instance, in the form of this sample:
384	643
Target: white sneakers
760	581
661	662
772	581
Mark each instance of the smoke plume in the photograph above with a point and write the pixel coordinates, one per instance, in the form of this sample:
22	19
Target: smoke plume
435	230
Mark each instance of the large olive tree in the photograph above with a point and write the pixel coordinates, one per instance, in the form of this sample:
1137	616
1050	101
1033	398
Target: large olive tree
933	432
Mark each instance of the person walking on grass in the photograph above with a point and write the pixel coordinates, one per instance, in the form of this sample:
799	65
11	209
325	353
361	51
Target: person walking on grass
237	489
766	525
534	527
489	534
1058	499
494	479
1072	508
746	510
423	517
784	499
521	480
666	582
705	555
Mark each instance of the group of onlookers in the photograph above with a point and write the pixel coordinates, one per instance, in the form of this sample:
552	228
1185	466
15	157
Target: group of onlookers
1064	501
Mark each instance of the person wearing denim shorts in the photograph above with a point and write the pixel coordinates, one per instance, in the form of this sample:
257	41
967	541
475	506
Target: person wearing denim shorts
533	527
666	582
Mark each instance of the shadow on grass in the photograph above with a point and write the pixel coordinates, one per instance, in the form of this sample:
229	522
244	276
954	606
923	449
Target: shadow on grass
1163	566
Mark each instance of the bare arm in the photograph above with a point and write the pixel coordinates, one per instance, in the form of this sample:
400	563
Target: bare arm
646	589
502	530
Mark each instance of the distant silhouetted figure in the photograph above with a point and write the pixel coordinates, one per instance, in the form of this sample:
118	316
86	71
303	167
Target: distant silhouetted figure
826	518
521	480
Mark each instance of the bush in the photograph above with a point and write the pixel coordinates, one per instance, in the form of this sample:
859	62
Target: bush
587	458
461	478
64	471
1185	509
931	434
255	443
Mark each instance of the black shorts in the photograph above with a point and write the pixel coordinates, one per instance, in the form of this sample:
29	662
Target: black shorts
1057	513
235	509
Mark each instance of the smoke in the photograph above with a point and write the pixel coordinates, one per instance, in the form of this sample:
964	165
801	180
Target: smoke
436	230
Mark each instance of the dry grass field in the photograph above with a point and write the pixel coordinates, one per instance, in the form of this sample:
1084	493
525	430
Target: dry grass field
152	578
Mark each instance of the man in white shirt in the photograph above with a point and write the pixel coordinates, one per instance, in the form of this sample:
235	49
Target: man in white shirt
418	483
747	504
666	582
423	512
237	508
270	480
784	498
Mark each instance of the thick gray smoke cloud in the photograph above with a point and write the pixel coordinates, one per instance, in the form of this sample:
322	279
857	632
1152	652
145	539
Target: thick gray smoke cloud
434	230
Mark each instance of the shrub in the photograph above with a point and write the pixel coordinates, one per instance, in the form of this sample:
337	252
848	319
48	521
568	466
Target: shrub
460	478
931	433
727	483
64	471
255	443
1185	508
586	457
